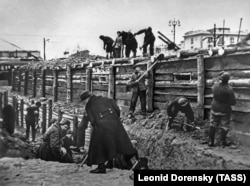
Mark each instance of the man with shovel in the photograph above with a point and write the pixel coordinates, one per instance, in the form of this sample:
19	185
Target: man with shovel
183	105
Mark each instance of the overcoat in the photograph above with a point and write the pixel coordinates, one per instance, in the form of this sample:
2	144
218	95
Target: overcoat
109	137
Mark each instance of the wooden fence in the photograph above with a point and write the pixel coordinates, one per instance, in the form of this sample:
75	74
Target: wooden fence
192	78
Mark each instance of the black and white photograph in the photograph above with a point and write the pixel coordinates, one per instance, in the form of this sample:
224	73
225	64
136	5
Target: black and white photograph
124	92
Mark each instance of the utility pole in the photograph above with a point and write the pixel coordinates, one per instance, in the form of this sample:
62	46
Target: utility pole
174	23
214	35
223	37
44	49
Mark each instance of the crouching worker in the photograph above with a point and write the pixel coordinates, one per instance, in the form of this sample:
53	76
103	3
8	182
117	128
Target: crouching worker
183	105
109	137
51	149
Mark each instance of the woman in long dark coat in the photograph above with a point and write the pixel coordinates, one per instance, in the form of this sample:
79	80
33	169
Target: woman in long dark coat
109	137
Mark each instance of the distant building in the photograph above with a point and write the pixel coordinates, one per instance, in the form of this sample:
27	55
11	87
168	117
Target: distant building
20	54
81	54
204	38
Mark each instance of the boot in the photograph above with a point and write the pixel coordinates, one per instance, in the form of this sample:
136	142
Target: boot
99	170
212	131
109	164
223	138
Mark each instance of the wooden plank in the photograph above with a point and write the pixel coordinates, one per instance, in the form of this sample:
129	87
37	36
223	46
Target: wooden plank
233	82
100	93
121	82
181	84
234	74
230	62
100	86
164	77
240	94
170	97
123	95
121	88
122	76
192	91
78	85
200	86
177	66
124	70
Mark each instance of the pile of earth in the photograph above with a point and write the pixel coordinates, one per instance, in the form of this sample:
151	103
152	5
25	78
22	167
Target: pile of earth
178	149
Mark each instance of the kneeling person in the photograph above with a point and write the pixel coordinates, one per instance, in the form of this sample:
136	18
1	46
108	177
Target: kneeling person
51	149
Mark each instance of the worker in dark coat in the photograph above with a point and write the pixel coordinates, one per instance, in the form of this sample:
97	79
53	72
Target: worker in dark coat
107	45
149	40
130	42
31	119
51	148
183	105
138	88
8	115
109	138
223	99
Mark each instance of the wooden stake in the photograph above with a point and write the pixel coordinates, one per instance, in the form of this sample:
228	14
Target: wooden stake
34	83
88	79
200	86
43	82
44	113
55	85
19	80
1	103
5	95
111	88
50	111
75	126
13	80
150	88
26	79
22	111
69	84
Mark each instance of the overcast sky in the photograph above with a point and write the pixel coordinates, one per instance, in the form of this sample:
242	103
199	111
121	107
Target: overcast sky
78	23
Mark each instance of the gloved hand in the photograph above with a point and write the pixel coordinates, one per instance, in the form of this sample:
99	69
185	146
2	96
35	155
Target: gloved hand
63	151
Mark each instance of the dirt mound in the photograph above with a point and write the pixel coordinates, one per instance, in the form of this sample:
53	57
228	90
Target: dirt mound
15	146
177	149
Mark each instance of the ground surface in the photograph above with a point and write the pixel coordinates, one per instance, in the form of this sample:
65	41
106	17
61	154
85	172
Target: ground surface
165	149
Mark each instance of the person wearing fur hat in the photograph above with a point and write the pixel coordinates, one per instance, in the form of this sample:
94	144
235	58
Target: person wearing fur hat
183	105
51	149
223	99
109	138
